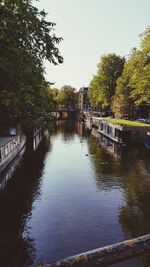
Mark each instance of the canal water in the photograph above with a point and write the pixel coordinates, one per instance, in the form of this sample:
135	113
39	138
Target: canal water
72	194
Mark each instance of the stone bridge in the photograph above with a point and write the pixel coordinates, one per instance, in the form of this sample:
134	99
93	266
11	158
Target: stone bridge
64	113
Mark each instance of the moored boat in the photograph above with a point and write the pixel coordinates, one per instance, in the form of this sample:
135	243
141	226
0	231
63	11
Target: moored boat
10	146
8	172
148	140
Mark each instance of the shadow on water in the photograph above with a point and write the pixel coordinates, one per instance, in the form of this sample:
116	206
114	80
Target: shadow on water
15	208
116	162
19	193
123	168
127	168
68	129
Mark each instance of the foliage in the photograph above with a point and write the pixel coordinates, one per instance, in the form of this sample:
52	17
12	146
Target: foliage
25	40
102	86
140	78
67	97
122	104
95	93
53	98
134	83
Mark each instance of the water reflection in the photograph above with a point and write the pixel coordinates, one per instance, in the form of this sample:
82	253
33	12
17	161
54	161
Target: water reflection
110	159
74	193
135	214
127	168
15	209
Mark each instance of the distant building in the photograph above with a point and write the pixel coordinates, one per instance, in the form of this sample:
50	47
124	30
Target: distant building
83	101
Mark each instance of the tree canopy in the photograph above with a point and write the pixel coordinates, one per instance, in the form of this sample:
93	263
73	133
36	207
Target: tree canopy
67	97
26	39
102	86
134	84
140	78
64	98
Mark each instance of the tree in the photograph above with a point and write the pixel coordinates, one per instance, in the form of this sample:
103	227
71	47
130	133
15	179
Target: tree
26	39
53	97
134	84
95	93
67	97
140	78
102	86
122	104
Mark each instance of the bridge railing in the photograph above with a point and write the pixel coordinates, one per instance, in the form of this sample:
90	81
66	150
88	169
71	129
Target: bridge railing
107	255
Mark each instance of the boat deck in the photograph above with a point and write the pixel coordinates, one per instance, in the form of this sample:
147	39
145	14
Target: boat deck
5	140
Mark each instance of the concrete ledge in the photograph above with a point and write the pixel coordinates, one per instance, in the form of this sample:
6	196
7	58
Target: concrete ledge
107	255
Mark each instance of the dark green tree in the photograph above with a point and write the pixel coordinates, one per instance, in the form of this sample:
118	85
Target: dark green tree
54	99
67	97
26	39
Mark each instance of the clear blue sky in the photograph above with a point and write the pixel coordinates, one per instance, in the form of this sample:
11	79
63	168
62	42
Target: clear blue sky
91	28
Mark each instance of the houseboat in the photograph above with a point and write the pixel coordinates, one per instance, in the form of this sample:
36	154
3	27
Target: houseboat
148	140
37	137
115	149
10	146
8	172
123	131
120	131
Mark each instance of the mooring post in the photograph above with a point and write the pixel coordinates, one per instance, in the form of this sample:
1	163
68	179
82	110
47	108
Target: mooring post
106	255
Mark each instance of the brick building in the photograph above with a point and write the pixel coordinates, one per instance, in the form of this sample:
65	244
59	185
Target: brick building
83	101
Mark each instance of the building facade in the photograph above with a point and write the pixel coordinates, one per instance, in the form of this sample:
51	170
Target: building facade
83	101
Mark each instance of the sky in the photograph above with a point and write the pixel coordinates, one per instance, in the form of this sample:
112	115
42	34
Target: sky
91	28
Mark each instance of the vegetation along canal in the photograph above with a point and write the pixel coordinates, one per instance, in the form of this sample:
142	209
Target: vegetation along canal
72	195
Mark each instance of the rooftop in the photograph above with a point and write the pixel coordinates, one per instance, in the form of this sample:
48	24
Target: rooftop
126	122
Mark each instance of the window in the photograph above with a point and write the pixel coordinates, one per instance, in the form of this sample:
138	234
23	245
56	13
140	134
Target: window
11	146
5	150
108	129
